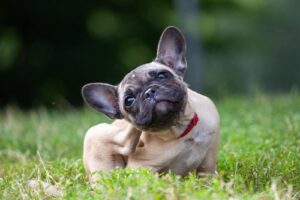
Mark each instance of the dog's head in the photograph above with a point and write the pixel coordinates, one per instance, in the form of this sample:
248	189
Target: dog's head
153	95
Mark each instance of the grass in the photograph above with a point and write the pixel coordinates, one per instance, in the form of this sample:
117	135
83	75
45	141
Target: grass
258	157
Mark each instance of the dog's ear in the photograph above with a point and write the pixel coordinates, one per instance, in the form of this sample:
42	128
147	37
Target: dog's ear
171	50
103	98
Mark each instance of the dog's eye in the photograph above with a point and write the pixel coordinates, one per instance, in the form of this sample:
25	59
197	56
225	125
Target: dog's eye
162	75
129	101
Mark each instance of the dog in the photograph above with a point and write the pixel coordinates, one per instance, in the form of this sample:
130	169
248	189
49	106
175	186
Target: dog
159	123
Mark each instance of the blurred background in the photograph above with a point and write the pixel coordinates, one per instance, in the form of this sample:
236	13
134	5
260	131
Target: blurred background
49	49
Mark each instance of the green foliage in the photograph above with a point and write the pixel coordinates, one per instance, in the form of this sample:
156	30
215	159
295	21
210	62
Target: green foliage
48	49
258	156
9	46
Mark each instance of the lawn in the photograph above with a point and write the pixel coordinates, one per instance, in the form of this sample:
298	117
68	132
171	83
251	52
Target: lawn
259	156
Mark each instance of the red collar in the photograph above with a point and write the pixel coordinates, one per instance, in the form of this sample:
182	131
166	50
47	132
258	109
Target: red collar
191	125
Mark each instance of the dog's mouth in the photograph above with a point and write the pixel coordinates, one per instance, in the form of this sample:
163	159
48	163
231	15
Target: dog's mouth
164	106
159	113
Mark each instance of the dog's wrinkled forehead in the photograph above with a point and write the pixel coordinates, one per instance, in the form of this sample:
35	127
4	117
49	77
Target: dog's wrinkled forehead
140	75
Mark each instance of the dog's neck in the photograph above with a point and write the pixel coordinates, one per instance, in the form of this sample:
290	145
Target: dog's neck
177	129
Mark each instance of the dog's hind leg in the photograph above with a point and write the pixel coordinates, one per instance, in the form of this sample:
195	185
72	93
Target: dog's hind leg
106	147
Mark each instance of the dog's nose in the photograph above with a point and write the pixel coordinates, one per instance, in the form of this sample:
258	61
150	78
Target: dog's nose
150	93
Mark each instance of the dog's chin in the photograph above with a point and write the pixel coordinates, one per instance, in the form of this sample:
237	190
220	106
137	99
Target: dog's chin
163	115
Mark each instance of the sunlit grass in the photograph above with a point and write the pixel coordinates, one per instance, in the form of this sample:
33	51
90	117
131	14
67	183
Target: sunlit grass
258	157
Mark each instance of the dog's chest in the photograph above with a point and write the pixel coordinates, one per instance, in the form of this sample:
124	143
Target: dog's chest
181	156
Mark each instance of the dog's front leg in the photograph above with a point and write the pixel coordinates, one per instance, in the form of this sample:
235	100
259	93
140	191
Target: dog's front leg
209	164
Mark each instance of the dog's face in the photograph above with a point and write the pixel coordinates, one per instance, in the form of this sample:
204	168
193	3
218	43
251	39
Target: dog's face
153	95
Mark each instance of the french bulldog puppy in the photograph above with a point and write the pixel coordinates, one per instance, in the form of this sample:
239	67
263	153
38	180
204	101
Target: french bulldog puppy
160	123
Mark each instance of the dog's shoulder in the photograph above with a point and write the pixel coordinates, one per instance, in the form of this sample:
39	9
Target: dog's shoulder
202	102
205	109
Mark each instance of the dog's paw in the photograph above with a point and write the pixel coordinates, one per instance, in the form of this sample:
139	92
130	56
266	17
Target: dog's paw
47	188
